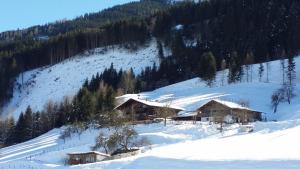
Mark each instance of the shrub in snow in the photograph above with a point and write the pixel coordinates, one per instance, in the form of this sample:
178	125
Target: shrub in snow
124	139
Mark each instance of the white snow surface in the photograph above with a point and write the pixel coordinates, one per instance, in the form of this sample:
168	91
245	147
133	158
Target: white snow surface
66	78
179	145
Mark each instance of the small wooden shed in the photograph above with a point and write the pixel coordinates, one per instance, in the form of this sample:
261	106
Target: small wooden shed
224	111
86	157
144	109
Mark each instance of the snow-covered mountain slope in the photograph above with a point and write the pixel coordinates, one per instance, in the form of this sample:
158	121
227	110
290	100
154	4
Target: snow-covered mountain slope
64	79
186	145
178	145
191	94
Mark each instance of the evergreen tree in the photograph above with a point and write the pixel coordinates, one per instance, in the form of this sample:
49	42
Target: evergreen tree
291	71
20	130
260	71
208	68
28	124
282	66
10	136
160	50
128	82
291	75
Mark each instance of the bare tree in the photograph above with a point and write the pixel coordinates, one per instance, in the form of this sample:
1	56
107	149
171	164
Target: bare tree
244	103
268	68
276	98
67	133
79	128
123	139
282	66
101	142
165	112
128	82
249	61
223	67
288	92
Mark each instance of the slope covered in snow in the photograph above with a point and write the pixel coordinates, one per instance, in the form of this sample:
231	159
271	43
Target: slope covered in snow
179	145
193	93
65	79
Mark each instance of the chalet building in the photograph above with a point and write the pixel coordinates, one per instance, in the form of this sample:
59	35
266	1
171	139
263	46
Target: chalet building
86	157
144	109
224	111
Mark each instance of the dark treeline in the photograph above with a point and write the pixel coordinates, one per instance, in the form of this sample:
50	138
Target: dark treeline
130	10
238	32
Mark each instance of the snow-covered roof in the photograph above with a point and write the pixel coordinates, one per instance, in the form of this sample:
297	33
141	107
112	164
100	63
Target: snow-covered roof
179	27
187	113
151	103
89	152
232	105
229	104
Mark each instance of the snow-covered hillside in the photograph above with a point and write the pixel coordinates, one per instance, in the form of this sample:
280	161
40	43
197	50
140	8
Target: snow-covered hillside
180	145
64	79
191	94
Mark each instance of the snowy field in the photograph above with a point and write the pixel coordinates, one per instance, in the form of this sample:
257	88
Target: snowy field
66	78
272	145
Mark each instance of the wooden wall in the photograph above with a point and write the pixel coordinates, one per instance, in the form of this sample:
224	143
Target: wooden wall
219	112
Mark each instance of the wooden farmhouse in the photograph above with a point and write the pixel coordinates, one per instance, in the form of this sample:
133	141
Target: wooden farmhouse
86	157
143	109
224	111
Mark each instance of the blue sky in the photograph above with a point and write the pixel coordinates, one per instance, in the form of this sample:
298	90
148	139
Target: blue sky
16	14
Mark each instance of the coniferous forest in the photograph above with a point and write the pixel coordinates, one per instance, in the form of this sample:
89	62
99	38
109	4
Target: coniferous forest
203	37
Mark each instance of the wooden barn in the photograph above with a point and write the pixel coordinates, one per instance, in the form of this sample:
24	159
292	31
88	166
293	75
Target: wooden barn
224	111
86	157
144	109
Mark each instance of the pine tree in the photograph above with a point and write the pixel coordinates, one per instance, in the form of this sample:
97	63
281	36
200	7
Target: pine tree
20	130
291	73
282	66
260	71
28	124
235	69
36	128
10	133
208	68
160	51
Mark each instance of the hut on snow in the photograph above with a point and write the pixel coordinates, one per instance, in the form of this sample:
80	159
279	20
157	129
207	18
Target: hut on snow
86	157
144	109
220	111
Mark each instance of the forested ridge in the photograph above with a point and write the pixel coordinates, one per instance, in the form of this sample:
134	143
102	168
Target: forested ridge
236	32
22	50
143	8
203	37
